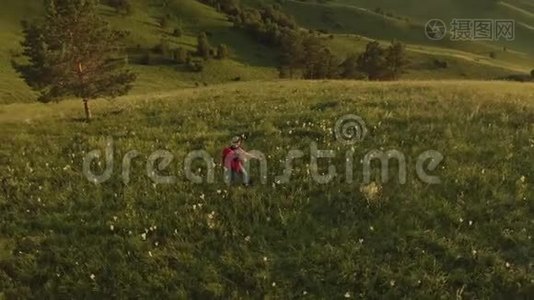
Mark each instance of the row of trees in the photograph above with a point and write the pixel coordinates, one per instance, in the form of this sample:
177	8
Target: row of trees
304	54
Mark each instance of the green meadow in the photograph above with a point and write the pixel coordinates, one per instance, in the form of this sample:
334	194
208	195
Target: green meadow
466	236
469	236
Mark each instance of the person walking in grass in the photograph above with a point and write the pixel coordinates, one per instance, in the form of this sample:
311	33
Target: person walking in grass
234	158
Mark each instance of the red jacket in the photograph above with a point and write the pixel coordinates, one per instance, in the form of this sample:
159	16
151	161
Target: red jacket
230	159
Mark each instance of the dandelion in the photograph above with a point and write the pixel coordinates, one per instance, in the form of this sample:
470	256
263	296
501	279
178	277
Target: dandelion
111	227
202	196
361	241
92	276
143	236
219	192
115	218
470	222
507	264
474	252
304	293
274	284
523	179
265	258
372	192
247	238
461	220
371	228
347	295
392	283
156	244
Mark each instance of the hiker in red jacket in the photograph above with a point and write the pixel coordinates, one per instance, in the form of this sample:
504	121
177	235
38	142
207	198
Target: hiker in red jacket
233	158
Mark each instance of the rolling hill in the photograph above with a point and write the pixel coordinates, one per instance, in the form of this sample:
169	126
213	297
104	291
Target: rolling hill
348	26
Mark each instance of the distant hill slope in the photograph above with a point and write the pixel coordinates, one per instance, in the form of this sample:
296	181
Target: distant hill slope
348	26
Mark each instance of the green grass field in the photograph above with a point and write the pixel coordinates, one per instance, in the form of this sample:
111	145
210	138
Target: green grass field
467	237
62	236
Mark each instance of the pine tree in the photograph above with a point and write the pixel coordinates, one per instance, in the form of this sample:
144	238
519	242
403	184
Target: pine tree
395	60
349	68
74	53
373	61
203	46
292	52
222	51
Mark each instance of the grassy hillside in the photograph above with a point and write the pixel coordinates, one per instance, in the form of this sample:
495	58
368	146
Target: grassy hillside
469	237
249	60
352	23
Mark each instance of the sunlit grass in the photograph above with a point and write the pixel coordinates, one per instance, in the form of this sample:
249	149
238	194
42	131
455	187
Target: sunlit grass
470	235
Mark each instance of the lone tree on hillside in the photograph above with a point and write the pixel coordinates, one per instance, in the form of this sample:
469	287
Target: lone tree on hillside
74	53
